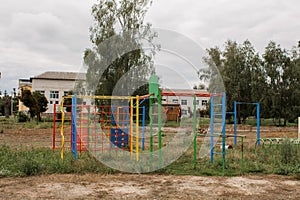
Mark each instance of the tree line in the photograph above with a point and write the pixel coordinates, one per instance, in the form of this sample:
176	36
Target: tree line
8	104
35	101
271	78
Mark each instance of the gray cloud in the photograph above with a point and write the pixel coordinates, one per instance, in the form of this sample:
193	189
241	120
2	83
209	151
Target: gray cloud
211	23
36	36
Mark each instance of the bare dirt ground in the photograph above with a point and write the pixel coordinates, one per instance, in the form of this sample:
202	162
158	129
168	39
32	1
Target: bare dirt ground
141	186
128	186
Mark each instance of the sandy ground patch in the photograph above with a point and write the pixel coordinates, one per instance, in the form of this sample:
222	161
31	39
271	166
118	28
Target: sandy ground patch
130	186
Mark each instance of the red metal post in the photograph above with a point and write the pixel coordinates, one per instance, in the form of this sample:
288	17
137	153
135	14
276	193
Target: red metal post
54	128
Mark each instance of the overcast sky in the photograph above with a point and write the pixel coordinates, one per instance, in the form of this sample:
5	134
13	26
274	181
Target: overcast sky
51	35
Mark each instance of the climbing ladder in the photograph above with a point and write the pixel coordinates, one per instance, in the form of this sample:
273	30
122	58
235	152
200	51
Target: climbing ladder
217	124
217	128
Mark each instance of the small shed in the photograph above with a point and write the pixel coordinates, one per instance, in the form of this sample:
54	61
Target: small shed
173	111
169	112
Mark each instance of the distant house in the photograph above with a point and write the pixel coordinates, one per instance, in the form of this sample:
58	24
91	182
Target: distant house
185	99
54	85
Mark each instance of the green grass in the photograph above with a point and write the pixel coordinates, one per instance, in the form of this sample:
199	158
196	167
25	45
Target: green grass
12	123
206	121
284	160
187	121
267	122
28	162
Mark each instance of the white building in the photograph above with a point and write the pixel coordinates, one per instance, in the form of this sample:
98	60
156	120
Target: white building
55	85
186	99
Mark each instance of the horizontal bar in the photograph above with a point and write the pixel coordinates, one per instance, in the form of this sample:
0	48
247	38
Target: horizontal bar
145	96
231	135
218	123
219	104
101	97
218	153
246	103
186	94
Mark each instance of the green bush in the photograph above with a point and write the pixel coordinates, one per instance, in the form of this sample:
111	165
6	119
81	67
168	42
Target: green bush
22	117
30	167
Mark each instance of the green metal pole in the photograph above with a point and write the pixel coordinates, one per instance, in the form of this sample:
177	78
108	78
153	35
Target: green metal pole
154	90
159	129
195	133
223	154
151	124
223	132
89	128
243	164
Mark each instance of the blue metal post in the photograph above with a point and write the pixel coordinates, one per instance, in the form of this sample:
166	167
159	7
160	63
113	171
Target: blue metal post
223	125
224	113
212	118
234	121
74	128
258	123
195	131
223	132
143	127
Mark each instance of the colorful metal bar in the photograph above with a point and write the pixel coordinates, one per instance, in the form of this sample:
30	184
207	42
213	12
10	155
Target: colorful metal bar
137	129
74	127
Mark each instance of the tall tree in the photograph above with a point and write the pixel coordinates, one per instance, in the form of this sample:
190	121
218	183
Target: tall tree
36	102
41	105
28	101
240	68
292	83
251	79
215	65
6	101
277	64
272	79
119	27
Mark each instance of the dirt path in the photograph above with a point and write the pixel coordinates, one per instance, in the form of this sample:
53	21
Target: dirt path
127	186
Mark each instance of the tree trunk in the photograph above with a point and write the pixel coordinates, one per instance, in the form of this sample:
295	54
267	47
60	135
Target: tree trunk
239	113
31	114
6	111
38	116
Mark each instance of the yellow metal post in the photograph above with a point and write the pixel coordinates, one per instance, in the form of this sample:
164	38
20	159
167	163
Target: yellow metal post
131	126
62	129
137	128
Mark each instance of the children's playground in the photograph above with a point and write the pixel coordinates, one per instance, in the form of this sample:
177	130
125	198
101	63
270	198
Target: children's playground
128	133
131	134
